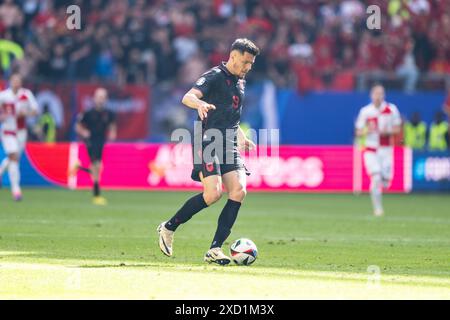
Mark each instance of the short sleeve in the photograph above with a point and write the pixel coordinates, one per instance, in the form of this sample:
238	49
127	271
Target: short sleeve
360	121
206	81
396	117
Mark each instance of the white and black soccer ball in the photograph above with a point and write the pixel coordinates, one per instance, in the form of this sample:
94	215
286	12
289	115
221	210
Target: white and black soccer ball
243	252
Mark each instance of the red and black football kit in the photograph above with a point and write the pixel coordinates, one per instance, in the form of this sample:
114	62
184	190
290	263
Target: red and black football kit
226	92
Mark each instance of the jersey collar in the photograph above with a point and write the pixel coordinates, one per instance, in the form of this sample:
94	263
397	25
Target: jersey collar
223	67
382	106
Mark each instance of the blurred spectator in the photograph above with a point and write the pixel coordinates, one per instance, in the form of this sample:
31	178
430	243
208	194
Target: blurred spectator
419	6
104	65
440	65
325	63
408	69
11	16
58	62
139	41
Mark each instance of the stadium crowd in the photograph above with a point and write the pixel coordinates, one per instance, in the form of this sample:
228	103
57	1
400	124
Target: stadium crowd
306	44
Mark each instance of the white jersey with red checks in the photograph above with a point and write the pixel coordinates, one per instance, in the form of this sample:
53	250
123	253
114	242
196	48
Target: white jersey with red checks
379	123
12	104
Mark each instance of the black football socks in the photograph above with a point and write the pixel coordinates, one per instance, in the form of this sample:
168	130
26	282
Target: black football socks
226	221
84	169
96	190
187	211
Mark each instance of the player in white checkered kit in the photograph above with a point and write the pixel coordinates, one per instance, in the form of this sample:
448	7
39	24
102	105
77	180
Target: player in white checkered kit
378	122
16	104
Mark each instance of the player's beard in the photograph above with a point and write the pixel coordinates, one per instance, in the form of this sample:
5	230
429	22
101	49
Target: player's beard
378	105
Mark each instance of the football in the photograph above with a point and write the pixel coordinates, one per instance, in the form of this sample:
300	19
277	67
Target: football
243	252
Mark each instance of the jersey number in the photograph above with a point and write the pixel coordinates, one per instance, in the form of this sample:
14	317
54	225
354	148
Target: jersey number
9	108
235	102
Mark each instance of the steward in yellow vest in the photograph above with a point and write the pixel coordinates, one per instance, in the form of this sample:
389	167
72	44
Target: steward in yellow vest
438	139
415	132
47	126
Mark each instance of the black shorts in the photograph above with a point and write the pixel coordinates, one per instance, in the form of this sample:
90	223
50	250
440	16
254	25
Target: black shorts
217	164
95	149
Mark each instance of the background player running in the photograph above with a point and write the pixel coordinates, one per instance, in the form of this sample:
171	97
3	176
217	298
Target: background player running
217	96
96	126
16	104
378	122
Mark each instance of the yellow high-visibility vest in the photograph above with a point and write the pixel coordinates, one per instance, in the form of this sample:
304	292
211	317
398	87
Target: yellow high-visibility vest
47	120
8	48
396	8
438	139
415	136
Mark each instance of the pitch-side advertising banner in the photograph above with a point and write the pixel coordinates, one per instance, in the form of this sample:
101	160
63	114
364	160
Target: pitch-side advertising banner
168	167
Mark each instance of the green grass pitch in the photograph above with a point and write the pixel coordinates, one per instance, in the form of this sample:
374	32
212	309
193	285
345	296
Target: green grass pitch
56	244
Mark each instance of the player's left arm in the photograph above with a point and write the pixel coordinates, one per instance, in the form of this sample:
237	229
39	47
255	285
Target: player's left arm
360	125
112	129
396	122
33	110
244	143
81	127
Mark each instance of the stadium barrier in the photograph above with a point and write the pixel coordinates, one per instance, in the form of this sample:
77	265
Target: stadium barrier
168	167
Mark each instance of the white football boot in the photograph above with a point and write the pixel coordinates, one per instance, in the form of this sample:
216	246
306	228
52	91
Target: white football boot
378	212
216	255
165	239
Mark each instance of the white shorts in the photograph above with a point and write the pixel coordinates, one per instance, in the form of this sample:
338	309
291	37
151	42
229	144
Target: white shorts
379	162
10	143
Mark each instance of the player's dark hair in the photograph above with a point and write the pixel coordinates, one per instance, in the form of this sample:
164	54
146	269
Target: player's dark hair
376	84
15	73
245	45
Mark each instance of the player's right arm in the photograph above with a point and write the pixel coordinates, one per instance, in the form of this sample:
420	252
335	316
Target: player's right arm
112	128
80	127
192	99
2	111
360	125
